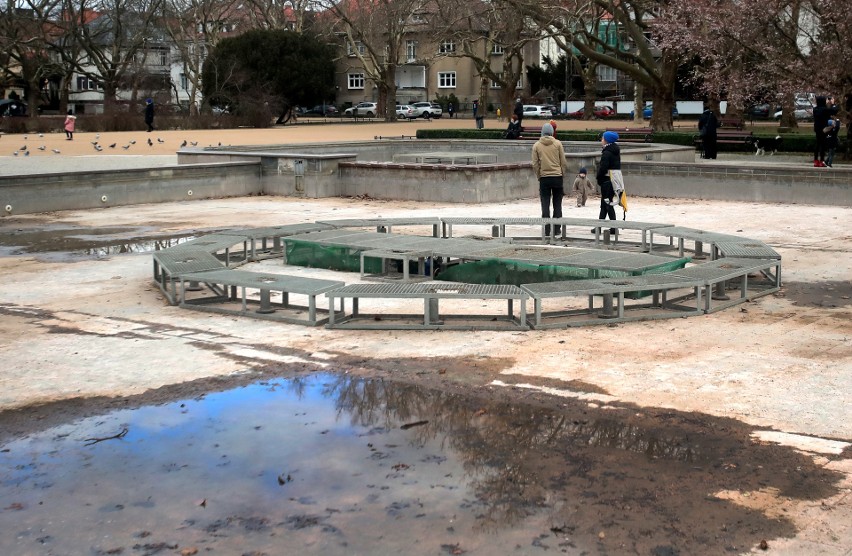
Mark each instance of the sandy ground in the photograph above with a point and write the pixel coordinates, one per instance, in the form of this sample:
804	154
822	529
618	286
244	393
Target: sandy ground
93	327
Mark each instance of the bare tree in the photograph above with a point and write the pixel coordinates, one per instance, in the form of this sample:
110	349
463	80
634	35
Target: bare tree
487	28
26	50
195	27
112	34
374	32
620	34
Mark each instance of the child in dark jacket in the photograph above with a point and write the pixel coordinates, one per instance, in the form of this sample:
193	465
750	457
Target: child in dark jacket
582	187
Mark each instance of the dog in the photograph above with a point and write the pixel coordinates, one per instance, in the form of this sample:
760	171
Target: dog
763	144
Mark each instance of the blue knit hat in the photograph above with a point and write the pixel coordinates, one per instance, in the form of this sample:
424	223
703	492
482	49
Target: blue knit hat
547	129
582	170
610	137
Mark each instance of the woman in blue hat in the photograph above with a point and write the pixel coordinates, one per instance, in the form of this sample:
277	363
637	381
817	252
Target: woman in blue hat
610	160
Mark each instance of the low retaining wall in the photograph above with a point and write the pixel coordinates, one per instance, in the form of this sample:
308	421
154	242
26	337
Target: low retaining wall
81	190
753	183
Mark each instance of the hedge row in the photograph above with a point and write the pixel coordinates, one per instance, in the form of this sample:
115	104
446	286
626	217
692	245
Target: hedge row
793	142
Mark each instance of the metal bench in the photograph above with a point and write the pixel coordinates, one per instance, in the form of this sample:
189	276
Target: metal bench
224	283
715	275
171	263
266	242
613	293
430	318
632	135
222	246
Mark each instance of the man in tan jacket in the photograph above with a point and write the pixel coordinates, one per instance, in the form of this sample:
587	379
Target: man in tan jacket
549	165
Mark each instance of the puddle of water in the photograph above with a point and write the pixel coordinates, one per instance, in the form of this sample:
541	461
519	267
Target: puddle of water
328	464
84	242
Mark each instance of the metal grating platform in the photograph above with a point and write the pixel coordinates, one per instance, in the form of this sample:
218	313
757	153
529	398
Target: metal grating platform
751	263
224	297
430	317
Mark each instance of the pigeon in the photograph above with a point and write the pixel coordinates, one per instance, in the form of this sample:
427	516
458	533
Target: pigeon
41	134
220	143
125	147
194	143
98	148
182	145
160	140
112	146
26	153
132	141
98	136
56	151
25	137
23	148
41	148
15	153
94	143
150	143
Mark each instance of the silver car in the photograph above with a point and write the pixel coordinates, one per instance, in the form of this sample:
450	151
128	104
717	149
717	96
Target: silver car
368	109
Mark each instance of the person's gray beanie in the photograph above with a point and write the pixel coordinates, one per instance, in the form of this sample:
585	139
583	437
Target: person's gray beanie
547	129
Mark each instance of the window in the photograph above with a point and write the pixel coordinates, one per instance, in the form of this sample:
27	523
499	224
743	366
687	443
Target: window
495	84
184	82
447	47
350	50
497	49
164	57
606	73
356	80
85	84
410	50
446	79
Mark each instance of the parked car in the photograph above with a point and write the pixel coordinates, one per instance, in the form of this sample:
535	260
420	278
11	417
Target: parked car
537	111
427	109
323	110
648	111
406	111
802	112
599	112
9	107
368	109
762	110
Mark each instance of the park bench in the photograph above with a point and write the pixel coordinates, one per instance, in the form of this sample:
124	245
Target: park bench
530	132
731	123
726	137
632	135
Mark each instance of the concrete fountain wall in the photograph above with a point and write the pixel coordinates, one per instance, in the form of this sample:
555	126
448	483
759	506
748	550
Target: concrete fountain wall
374	168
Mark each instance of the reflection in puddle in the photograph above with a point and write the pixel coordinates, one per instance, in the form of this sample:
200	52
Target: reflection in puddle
333	465
85	242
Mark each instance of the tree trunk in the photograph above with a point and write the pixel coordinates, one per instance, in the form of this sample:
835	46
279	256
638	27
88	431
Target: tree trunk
590	86
661	119
638	102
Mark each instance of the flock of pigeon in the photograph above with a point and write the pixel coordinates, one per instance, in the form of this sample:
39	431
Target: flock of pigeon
98	147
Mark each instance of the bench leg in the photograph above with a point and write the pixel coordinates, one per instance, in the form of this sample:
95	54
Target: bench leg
265	304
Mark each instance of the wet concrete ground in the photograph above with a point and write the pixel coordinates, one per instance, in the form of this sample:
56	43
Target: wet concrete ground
333	464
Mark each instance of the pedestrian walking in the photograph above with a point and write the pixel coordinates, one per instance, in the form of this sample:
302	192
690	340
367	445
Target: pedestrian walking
149	114
70	124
